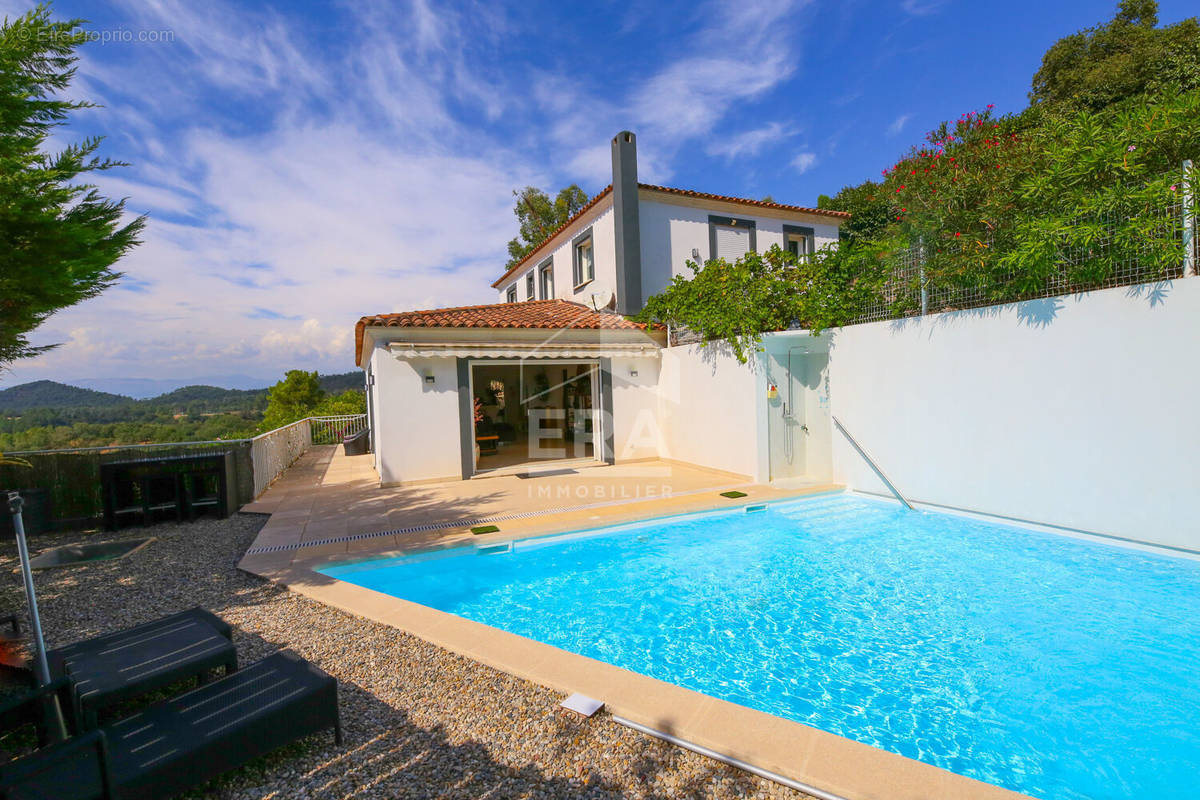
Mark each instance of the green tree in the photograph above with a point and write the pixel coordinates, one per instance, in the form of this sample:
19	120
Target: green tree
1123	58
293	398
770	291
351	401
540	216
869	207
59	238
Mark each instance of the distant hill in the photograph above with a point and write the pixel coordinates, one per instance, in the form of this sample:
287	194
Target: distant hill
51	394
146	388
336	384
213	397
54	395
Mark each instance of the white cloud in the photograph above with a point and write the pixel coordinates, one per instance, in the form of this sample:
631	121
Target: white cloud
920	8
898	124
357	183
804	162
751	142
738	52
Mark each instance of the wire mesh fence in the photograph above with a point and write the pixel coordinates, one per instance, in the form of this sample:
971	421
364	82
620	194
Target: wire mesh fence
1124	242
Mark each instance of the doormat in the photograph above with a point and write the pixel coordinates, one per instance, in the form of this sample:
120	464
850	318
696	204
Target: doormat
733	495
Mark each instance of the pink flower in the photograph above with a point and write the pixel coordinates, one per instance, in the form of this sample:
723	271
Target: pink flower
1131	148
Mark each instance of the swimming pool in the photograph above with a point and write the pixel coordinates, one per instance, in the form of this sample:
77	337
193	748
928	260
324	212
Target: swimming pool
1053	666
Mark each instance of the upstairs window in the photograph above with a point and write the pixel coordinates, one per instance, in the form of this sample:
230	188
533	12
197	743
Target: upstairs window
800	242
511	296
584	258
731	238
529	286
546	276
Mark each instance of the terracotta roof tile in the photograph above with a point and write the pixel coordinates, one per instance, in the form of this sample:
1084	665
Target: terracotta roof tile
531	314
747	201
607	190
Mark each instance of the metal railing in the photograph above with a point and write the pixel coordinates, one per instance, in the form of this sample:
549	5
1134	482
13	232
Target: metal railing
871	463
273	452
331	430
1103	254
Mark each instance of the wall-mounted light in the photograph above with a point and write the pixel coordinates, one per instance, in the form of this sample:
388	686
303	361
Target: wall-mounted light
429	377
633	372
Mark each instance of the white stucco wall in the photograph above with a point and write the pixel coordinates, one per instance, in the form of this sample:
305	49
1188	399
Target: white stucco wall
637	433
418	434
708	411
601	221
671	231
1076	411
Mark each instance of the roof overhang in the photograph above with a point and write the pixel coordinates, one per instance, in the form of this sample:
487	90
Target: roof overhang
518	343
514	350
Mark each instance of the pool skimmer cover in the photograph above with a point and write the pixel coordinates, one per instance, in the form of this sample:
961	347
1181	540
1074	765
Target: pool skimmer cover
582	704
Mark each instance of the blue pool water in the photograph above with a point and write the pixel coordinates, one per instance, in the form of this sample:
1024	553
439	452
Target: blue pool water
1053	666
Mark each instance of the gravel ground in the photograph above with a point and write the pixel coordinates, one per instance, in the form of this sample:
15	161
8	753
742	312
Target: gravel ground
420	722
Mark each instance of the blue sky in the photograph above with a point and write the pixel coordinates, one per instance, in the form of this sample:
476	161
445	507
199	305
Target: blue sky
304	164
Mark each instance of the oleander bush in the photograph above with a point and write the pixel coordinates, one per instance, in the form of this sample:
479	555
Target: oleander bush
1076	192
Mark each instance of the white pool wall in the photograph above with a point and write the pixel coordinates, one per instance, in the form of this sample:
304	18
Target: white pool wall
1081	411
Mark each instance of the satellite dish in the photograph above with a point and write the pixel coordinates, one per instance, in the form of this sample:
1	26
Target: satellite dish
601	298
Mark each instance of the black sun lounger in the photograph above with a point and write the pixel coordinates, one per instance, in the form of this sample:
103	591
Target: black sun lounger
182	742
115	667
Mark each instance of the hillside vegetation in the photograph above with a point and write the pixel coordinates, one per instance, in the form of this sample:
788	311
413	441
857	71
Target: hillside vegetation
46	415
51	394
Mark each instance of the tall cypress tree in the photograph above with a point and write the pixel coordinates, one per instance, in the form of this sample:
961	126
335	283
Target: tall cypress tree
59	237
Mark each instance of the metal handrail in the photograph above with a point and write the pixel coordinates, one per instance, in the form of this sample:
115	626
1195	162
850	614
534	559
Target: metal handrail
871	461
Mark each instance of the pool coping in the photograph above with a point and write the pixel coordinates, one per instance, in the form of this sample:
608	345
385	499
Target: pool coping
832	765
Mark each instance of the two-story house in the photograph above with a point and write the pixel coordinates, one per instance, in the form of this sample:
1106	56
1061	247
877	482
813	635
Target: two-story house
554	372
631	238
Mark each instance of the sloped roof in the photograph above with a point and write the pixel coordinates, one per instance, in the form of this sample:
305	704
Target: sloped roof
531	314
607	190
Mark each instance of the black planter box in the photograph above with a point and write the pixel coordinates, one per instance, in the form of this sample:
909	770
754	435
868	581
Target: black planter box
35	513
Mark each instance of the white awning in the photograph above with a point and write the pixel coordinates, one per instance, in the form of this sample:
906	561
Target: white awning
511	350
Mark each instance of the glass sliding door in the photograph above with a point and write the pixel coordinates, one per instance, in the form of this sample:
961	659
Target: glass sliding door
528	413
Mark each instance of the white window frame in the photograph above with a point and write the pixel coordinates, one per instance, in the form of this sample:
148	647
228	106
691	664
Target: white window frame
793	232
510	295
546	279
577	275
531	285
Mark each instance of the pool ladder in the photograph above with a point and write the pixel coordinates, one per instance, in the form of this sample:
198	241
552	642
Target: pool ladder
871	461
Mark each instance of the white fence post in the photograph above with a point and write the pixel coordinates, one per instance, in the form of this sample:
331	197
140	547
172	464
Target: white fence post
921	276
1189	221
